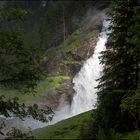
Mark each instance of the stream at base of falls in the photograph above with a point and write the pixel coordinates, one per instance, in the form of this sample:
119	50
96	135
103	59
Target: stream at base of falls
85	83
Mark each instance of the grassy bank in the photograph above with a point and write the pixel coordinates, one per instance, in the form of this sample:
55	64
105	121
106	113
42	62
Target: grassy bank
71	129
67	129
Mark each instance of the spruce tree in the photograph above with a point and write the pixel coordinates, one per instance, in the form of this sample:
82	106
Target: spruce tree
121	72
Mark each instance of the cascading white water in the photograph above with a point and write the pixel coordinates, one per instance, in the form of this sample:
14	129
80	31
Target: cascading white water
84	85
85	82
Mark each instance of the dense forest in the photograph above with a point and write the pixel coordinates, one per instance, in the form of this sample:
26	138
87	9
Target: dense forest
44	44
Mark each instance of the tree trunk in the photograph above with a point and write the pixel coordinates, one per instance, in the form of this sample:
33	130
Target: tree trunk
64	26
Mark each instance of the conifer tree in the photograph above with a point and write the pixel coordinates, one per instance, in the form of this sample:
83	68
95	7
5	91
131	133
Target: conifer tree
121	71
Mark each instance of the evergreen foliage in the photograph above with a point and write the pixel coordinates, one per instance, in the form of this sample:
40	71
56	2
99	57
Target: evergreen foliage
118	107
60	19
118	97
20	62
18	134
21	69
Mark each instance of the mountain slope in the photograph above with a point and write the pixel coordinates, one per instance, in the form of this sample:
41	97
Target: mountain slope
74	127
67	129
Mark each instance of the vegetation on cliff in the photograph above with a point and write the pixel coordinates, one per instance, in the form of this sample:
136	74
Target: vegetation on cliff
43	44
25	47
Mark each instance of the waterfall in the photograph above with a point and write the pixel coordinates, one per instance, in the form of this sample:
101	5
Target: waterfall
85	83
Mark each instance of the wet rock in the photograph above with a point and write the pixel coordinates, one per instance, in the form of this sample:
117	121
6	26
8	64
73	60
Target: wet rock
56	96
76	56
74	68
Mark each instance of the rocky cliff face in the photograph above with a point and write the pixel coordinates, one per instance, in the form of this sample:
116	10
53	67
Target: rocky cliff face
68	58
55	96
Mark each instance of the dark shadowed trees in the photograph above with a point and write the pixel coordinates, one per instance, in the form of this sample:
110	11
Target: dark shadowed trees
20	68
118	96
